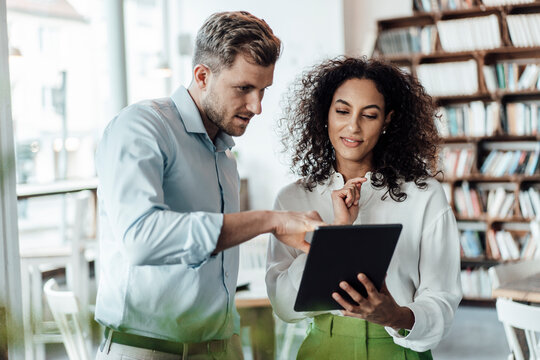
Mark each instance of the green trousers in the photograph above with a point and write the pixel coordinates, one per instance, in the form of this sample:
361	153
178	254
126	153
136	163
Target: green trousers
340	337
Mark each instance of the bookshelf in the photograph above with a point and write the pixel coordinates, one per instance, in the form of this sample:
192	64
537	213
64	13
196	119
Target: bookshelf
480	61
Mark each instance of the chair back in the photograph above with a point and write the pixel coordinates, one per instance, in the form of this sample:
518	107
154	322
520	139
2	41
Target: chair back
66	312
505	273
525	317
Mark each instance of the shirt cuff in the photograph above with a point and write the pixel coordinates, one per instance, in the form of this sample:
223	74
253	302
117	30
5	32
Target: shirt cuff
205	232
404	338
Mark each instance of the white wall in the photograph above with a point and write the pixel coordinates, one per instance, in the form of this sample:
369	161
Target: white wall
360	21
310	30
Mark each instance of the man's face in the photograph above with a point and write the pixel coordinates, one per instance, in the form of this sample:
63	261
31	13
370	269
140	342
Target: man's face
233	96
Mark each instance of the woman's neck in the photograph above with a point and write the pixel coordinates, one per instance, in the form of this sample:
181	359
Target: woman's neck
351	170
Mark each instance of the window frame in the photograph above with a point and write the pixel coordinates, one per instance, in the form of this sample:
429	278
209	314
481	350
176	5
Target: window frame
10	277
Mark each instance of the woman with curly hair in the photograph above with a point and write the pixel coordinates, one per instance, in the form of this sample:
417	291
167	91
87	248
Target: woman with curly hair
366	148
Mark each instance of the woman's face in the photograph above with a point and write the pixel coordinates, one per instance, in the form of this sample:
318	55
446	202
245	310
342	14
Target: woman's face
355	122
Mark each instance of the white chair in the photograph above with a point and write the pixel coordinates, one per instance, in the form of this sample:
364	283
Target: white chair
67	315
525	317
71	255
505	273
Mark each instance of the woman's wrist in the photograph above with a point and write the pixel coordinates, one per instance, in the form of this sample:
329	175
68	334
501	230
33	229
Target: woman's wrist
405	319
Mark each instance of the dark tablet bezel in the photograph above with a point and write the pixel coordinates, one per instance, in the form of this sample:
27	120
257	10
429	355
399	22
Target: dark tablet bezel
339	253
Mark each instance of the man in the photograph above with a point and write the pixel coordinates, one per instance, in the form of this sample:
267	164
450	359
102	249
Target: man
169	203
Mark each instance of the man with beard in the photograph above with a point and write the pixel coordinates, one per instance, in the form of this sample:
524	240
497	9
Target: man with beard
169	203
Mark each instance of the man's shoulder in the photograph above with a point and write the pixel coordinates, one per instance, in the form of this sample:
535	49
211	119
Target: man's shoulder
146	113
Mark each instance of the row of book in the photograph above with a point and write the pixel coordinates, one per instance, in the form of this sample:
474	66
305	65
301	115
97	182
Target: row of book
505	245
475	283
524	29
471	244
408	40
513	76
448	79
457	162
529	203
502	244
500	163
505	2
475	202
438	5
477	33
522	118
470	119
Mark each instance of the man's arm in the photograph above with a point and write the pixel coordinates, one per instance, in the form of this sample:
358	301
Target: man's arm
289	227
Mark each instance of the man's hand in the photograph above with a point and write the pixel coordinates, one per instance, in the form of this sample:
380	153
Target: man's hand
291	227
345	201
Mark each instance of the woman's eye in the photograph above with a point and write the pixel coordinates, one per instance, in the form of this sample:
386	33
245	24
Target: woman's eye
342	111
370	116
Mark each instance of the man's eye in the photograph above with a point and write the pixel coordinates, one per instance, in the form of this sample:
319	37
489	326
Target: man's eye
243	88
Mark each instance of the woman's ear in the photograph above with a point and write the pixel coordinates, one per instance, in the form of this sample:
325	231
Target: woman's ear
201	74
387	120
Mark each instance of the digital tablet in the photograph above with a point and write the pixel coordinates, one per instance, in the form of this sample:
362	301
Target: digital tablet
340	253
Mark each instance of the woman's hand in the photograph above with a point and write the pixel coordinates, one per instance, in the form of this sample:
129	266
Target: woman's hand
345	201
378	307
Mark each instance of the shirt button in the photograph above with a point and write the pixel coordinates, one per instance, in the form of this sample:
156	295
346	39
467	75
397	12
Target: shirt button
226	274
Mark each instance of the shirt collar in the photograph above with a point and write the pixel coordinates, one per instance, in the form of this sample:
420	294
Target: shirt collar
335	182
191	117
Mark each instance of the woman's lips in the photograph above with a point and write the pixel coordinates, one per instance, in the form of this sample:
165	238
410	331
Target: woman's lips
349	142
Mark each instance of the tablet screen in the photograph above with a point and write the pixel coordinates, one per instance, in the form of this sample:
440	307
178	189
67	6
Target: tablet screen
340	253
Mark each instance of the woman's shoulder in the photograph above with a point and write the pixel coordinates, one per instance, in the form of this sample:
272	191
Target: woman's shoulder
293	189
294	194
433	189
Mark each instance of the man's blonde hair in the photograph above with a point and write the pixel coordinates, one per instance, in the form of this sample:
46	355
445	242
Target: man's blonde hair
226	34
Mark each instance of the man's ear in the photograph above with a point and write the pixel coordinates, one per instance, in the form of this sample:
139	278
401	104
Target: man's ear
201	73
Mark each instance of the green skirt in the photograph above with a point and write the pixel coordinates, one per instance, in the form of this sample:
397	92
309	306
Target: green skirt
341	338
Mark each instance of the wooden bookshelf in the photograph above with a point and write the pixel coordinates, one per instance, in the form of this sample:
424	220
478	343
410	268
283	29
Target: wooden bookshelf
503	57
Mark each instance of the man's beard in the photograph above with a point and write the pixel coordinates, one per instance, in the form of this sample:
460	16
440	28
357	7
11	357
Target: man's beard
217	116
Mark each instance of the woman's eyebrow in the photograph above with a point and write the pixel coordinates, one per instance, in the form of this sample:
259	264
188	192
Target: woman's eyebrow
372	106
343	102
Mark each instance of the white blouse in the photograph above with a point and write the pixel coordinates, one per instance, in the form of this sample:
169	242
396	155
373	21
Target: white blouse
423	274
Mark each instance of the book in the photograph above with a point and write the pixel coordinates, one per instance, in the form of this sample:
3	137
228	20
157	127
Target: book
494	252
501	243
507	207
534	195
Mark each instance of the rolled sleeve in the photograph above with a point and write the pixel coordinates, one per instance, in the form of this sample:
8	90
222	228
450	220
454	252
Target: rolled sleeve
439	292
132	158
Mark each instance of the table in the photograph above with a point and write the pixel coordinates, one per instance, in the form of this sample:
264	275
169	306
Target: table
25	191
526	289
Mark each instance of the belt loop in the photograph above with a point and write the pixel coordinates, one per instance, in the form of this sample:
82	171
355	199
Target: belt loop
107	347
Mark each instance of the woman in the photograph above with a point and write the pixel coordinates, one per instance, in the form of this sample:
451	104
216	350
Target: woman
365	145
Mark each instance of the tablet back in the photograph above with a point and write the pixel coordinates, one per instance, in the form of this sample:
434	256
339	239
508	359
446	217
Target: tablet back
340	253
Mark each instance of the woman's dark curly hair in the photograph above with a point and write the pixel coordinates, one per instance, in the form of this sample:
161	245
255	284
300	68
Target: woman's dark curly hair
408	151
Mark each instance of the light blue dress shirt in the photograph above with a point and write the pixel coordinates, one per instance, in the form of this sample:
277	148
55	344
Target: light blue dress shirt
163	186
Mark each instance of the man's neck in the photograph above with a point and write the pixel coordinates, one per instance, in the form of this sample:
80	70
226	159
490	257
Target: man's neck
211	129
